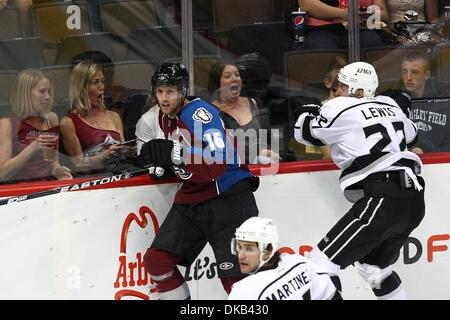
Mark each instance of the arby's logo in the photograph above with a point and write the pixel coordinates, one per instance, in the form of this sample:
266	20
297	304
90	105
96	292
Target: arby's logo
132	274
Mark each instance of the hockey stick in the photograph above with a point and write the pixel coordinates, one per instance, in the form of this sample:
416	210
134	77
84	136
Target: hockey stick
75	186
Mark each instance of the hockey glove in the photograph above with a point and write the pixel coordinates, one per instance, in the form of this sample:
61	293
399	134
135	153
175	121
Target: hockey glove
402	98
161	153
144	160
313	109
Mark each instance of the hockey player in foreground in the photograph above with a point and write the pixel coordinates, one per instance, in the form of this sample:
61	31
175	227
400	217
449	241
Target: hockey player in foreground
274	276
369	138
216	193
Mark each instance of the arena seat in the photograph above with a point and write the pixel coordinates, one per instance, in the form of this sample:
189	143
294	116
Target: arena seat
227	13
76	44
18	54
122	17
303	66
7	79
134	74
441	62
387	60
202	68
250	38
60	75
10	25
51	20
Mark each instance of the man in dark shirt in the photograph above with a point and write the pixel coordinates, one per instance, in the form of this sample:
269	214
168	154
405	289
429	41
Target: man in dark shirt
430	115
416	77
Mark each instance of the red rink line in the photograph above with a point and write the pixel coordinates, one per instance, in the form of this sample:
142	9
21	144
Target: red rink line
289	167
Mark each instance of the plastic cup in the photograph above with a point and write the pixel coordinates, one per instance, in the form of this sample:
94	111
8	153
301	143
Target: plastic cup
298	19
50	153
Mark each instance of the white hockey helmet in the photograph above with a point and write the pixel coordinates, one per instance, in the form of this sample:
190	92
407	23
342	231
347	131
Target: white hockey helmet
263	231
359	75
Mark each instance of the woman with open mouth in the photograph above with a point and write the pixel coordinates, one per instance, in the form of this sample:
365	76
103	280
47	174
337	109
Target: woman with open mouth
239	112
91	133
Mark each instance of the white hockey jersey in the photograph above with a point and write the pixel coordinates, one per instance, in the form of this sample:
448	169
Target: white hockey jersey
148	127
295	278
365	135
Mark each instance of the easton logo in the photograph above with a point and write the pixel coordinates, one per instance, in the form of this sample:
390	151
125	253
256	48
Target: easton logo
362	70
201	114
17	199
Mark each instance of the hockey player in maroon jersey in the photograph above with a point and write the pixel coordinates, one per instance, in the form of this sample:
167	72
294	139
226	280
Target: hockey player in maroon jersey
216	194
369	139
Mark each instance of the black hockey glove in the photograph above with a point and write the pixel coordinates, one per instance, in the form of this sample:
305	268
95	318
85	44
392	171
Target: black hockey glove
161	153
313	109
402	98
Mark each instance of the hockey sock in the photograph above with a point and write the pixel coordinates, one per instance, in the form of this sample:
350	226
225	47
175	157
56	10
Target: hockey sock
337	282
169	282
390	288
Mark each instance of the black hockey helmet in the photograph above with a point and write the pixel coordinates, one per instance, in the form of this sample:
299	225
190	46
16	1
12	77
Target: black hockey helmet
171	74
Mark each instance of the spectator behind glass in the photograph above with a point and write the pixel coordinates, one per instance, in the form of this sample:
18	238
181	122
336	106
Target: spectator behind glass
22	141
102	59
416	77
324	24
91	133
427	10
331	83
239	112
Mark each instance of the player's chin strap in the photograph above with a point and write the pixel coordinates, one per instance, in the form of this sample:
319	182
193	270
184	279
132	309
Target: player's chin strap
262	262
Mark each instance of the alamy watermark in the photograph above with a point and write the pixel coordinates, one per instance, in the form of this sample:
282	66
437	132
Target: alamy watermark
373	15
233	147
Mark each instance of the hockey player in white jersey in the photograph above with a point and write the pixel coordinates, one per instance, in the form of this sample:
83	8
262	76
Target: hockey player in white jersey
369	138
274	276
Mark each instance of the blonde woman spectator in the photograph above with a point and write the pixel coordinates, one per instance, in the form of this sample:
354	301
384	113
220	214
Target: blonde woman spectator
91	133
25	132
